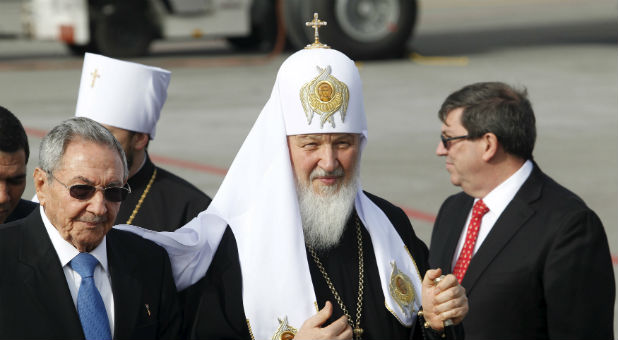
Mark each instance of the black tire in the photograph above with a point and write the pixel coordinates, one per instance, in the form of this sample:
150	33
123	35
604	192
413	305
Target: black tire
295	14
361	33
123	30
263	28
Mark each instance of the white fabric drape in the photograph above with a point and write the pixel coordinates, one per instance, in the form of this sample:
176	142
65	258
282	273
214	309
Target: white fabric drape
258	200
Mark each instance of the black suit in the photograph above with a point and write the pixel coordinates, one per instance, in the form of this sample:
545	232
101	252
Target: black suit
35	301
23	209
544	270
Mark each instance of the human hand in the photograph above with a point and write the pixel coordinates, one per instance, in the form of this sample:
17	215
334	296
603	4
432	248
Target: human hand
312	327
443	301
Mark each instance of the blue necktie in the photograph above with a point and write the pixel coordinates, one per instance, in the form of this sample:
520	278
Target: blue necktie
90	305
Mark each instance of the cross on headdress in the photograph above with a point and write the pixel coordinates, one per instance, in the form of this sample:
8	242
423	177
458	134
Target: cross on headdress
316	23
94	75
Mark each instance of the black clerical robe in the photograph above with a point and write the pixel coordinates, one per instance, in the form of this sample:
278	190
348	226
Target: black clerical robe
169	204
214	308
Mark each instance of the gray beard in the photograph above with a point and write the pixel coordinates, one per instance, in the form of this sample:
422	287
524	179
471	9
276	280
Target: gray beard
324	216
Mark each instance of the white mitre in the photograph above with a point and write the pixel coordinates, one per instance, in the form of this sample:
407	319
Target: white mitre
258	200
122	94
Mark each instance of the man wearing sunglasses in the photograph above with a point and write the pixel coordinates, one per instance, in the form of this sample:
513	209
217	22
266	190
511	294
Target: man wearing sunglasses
66	272
533	258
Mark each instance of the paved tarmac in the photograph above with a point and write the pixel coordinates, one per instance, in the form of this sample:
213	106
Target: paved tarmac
564	52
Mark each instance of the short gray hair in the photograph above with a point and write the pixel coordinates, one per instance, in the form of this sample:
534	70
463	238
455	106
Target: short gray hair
54	144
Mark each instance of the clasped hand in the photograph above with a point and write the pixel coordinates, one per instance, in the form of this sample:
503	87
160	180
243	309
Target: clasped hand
443	301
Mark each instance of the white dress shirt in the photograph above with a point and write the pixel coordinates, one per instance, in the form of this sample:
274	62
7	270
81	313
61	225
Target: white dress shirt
496	200
66	252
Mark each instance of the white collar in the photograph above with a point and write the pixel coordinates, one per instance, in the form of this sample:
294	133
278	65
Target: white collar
66	251
497	199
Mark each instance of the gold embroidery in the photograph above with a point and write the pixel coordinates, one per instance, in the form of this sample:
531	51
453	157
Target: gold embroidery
402	290
250	331
324	95
285	331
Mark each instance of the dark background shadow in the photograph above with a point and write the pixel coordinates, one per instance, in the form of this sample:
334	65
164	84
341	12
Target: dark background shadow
482	41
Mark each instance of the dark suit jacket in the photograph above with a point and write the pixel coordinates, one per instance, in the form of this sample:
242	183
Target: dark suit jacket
544	270
35	301
23	209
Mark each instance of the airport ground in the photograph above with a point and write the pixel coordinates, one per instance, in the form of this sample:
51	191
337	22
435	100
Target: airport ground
563	52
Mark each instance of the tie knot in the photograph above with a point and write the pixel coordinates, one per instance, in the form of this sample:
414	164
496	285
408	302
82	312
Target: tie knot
479	209
84	264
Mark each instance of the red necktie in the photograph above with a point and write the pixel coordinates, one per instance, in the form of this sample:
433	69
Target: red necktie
472	234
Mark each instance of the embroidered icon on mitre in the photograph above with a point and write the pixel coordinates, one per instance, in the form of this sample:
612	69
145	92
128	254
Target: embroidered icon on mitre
401	289
285	331
324	95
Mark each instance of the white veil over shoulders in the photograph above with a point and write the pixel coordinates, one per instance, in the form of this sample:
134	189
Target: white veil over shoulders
258	200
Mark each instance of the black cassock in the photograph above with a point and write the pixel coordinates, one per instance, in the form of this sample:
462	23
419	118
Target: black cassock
170	203
214	308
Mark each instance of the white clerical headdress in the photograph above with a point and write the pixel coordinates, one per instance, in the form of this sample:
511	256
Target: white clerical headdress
316	91
122	94
320	91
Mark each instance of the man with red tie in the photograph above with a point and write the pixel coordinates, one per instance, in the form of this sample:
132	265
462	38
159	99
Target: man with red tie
533	258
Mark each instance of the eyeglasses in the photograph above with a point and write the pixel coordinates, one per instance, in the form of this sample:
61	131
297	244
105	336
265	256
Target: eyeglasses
445	141
86	191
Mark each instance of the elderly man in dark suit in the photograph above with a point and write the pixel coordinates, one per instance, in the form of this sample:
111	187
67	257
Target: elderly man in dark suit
533	258
66	273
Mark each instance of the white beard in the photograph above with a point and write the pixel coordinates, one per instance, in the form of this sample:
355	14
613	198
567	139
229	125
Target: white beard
324	216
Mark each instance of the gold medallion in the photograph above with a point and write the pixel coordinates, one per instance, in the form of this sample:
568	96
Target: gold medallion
285	331
324	95
401	289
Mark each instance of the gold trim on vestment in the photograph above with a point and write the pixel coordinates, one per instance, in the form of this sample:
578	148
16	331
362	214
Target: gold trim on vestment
402	290
250	331
284	331
419	275
324	95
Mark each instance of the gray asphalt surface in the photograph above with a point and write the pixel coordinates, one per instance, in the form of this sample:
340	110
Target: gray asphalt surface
564	52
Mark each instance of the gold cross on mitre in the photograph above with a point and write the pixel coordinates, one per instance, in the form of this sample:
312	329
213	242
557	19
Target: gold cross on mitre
94	75
316	23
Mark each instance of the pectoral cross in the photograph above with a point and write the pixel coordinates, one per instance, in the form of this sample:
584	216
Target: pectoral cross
358	333
316	23
94	75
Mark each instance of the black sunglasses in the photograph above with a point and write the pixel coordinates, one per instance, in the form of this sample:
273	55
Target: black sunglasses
86	191
445	141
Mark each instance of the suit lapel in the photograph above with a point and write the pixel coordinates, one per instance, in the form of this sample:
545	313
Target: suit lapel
125	287
510	221
44	278
454	225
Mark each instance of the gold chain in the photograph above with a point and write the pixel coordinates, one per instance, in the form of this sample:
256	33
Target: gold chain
361	283
141	199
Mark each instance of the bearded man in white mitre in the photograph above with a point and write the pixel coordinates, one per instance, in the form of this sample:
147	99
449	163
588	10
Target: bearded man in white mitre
291	246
